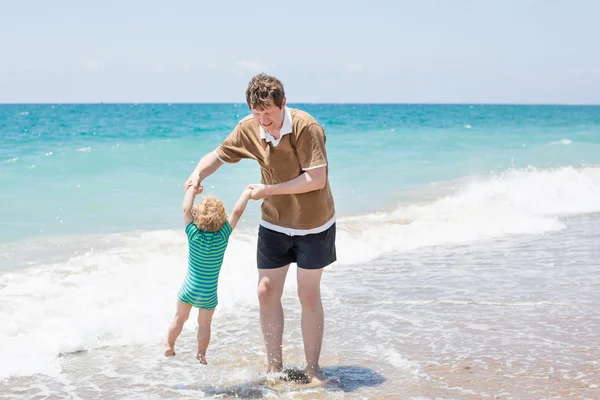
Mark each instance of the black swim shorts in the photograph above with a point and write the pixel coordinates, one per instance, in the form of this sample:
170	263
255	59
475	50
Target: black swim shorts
312	251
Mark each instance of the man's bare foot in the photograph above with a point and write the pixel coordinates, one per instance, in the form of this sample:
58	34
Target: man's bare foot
201	357
294	375
316	377
169	350
275	369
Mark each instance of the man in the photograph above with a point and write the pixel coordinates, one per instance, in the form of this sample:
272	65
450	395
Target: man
298	216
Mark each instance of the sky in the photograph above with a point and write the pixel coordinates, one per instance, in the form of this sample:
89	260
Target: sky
327	51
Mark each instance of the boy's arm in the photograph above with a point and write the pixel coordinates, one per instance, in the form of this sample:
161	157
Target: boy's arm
188	203
239	208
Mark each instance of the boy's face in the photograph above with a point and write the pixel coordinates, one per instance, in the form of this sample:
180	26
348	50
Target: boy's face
271	117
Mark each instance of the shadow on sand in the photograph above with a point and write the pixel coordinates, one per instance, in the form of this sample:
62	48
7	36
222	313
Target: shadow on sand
349	378
344	378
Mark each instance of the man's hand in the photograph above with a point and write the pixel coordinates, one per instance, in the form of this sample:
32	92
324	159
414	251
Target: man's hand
193	180
259	191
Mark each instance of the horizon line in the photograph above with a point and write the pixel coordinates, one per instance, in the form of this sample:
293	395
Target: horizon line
300	102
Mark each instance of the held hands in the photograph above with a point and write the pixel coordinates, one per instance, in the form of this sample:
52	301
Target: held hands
197	189
193	180
246	194
258	191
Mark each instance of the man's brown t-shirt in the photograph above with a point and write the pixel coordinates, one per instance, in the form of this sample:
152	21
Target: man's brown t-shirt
301	147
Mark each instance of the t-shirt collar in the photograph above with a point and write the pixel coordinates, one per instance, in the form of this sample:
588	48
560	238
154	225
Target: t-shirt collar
285	128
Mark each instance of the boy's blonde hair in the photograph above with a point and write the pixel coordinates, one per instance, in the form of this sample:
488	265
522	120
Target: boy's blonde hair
209	214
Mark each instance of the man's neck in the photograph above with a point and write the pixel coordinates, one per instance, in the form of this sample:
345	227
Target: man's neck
276	133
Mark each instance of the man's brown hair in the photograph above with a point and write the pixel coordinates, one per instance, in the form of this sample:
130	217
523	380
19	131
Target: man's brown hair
262	89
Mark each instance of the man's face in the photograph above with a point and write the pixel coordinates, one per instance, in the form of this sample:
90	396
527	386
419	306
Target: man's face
271	117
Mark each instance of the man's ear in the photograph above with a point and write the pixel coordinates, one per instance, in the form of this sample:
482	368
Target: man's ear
283	103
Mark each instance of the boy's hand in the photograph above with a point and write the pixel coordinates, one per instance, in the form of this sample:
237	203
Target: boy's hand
259	191
247	193
197	190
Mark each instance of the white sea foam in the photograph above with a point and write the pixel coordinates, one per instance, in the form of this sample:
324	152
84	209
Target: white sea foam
516	202
563	141
120	296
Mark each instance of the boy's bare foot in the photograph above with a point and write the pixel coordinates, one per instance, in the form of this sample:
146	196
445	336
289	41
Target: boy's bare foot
169	350
202	358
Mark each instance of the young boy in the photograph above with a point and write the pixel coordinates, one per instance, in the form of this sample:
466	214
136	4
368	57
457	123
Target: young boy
208	230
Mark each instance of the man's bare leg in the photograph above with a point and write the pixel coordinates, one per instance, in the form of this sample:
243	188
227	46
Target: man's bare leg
204	321
313	321
270	289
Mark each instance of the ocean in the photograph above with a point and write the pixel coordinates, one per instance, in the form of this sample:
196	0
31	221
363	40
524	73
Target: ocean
468	254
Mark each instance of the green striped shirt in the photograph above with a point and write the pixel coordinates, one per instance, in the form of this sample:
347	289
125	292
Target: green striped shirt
206	252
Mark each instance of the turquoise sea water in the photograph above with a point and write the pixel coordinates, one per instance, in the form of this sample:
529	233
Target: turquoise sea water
76	169
467	237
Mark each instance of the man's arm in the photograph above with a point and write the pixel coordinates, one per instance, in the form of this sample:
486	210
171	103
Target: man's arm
206	167
230	151
313	179
239	208
310	148
188	203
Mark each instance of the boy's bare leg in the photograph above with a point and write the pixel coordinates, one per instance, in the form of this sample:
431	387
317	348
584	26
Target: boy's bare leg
181	315
204	321
313	320
270	290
